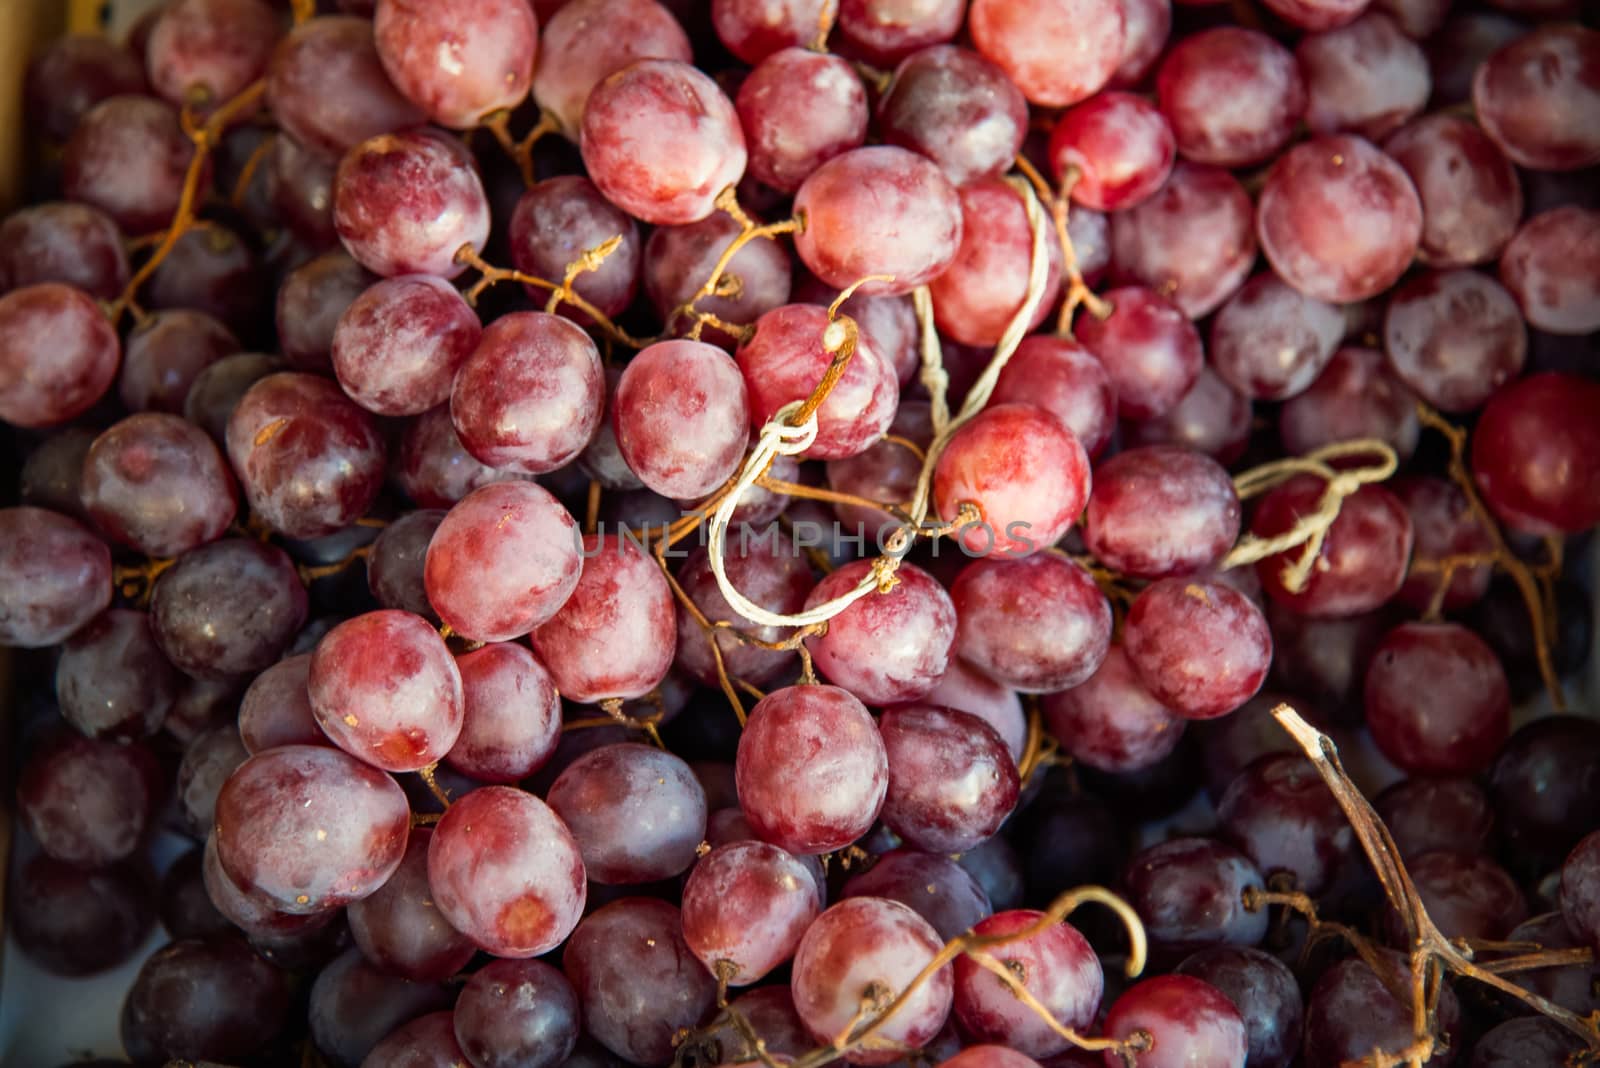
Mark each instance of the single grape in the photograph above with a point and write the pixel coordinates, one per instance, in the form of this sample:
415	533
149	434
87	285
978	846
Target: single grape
404	203
1190	894
204	1000
1455	337
662	141
217	390
397	346
300	190
935	887
1146	26
506	872
1571	986
530	396
636	812
1364	78
811	768
884	32
434	469
87	802
885	647
681	417
1580	889
1161	510
678	259
1055	964
534	555
1539	97
214	271
72	922
1427	814
310	460
864	951
1528	1040
459	62
958	109
1057	51
112	680
249	911
1529	454
1543	782
166	354
58	241
1038	624
1551	266
1192	241
276	709
56	577
1271	341
785	360
327	89
559	219
746	904
158	484
1200	647
987	285
1471	197
1066	380
879	210
1266	994
1232	95
799	109
58	354
755	29
128	156
52	475
1024	472
517	1014
1459	48
208	760
988	1056
511	716
1363	557
1279	813
1467	895
587	40
1120	148
1437	700
1357	395
952	780
354	1005
763	569
73	73
1352	1011
771	1013
1111	721
202	53
1317	14
396	563
1211	418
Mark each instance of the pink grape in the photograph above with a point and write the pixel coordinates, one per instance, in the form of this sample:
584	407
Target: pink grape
1055	964
1150	351
879	210
1161	510
966	689
1038	624
748	904
988	1056
811	769
786	359
334	58
58	354
1552	268
1270	341
1471	197
459	62
884	32
397	346
952	781
310	461
1201	648
1437	702
1365	78
799	109
511	714
386	690
1192	241
636	812
1066	380
1363	557
276	708
869	949
57	577
209	50
1232	95
958	109
587	40
434	469
517	532
680	417
1539	97
1454	337
1338	220
615	635
1528	454
885	647
559	219
404	203
399	930
1356	396
1146	25
755	29
769	573
506	872
1057	51
986	285
58	241
661	141
158	484
309	828
531	395
1110	721
678	259
128	156
1189	1021
1120	147
310	302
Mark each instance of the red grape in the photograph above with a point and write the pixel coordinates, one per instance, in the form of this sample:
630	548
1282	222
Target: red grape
755	29
310	303
1266	994
1454	337
1193	241
811	768
354	1006
799	109
1357	395
767	572
55	576
1338	220
1161	510
1066	380
1572	987
307	828
884	32
885	647
1189	1021
517	1014
747	904
506	872
1532	450
400	931
511	716
520	534
128	157
404	203
158	484
952	781
204	1000
986	285
988	1056
1039	624
1539	97
276	709
966	689
878	210
434	469
1552	268
1352	1011
1364	78
1151	353
1232	95
677	259
1437	700
1111	721
1056	965
958	109
1190	894
72	74
327	88
86	802
1120	147
1282	816
661	141
559	219
397	346
530	396
1466	895
1271	341
228	608
58	354
309	459
866	950
1057	51
214	271
1211	418
1146	25
1471	197
935	887
204	52
426	1042
681	418
636	812
1200	647
459	62
58	241
112	681
1363	557
587	40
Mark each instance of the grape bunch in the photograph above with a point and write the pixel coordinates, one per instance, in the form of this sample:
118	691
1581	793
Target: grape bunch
776	532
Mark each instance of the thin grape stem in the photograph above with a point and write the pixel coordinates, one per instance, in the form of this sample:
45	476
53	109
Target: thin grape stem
432	782
590	260
728	201
491	275
825	19
612	707
591	511
247	173
303	10
817	493
1059	201
1539	616
310	573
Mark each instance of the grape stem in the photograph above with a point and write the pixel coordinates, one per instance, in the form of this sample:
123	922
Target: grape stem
490	275
825	17
612	707
521	152
432	783
247	173
1060	201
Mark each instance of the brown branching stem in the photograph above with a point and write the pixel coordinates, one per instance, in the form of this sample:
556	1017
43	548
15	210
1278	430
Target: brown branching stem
521	152
491	275
1059	202
430	780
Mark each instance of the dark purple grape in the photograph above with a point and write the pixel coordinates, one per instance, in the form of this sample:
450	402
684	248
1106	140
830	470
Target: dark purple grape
426	1042
58	354
766	572
1580	890
72	74
354	1005
396	560
73	922
166	354
1351	1012
1545	782
1425	814
1466	895
158	484
434	469
333	60
1528	1042
112	680
57	241
771	1012
1266	994
1281	815
185	904
935	887
1575	987
52	475
636	812
1190	894
208	760
517	1014
217	390
128	156
512	719
227	609
87	802
399	930
310	303
204	1000
635	979
212	270
300	190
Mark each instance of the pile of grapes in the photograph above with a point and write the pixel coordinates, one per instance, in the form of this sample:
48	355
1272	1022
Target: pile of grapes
781	532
